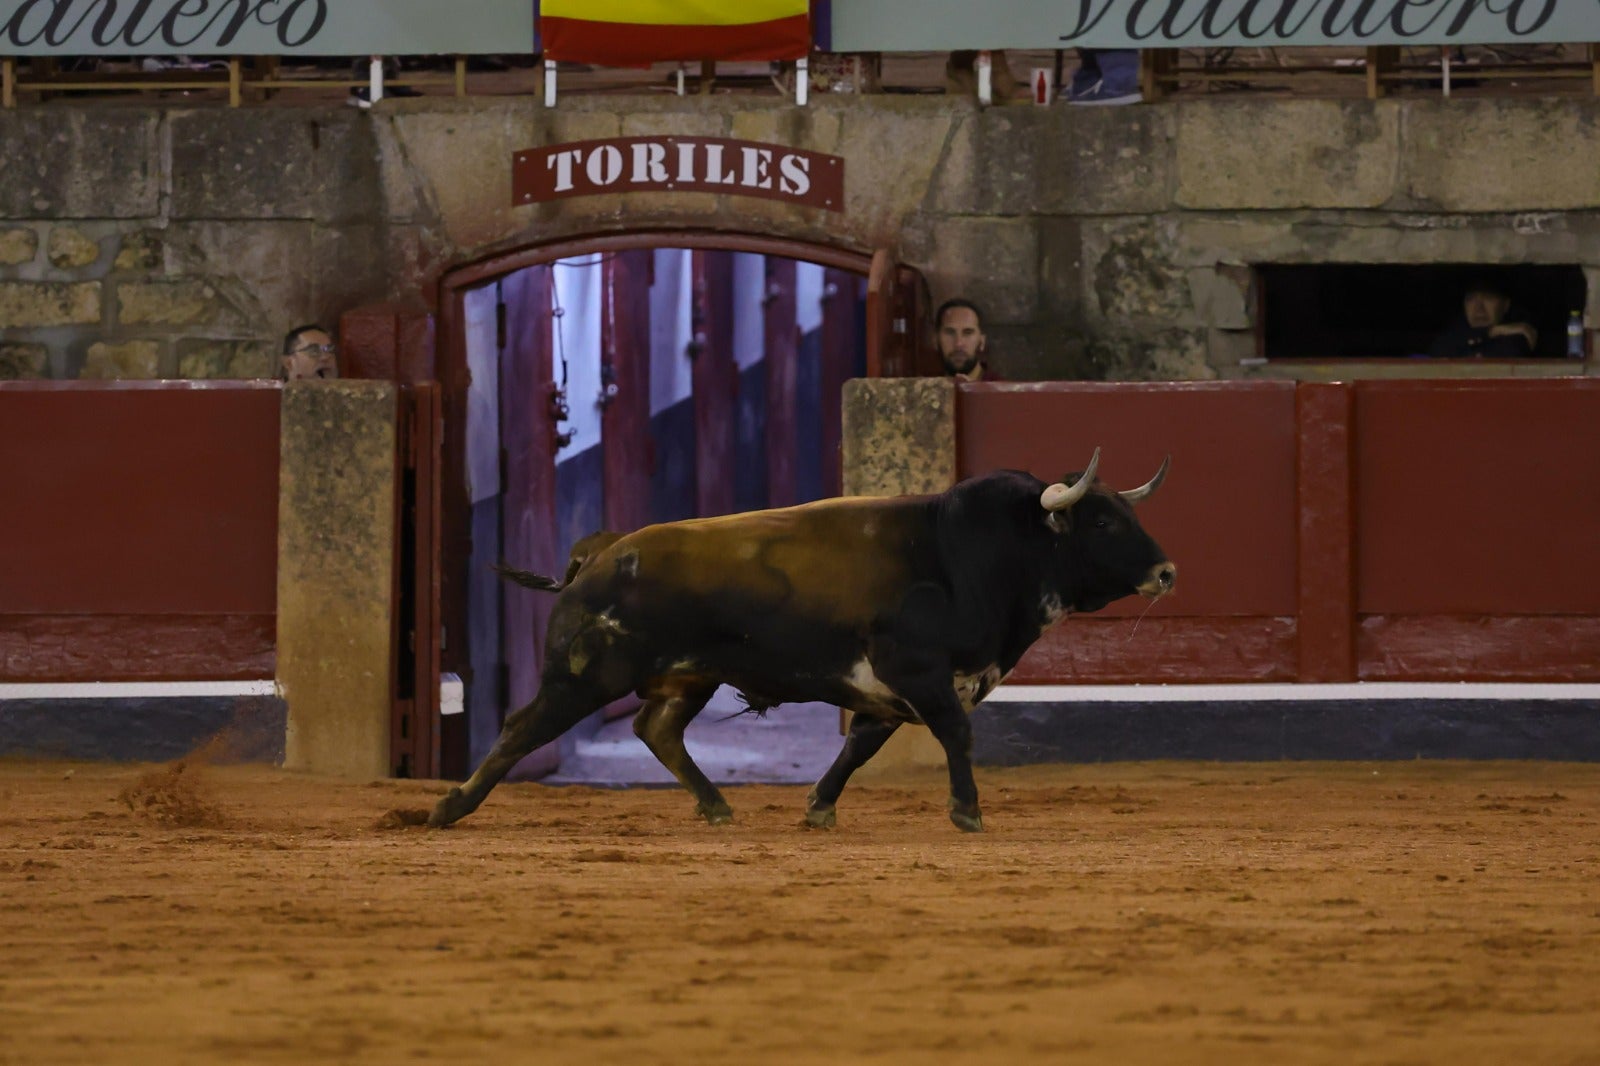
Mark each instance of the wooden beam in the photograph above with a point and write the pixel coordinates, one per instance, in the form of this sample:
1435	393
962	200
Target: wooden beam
782	350
461	75
1326	625
1380	62
235	82
1156	66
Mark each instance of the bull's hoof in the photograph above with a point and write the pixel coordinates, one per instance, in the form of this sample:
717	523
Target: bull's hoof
715	813
821	817
449	809
968	821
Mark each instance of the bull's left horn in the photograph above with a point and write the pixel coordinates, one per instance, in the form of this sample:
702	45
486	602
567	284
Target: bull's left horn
1143	492
1060	496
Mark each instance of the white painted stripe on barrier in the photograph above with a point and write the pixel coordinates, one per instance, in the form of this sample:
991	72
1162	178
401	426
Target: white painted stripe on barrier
127	690
1377	690
452	701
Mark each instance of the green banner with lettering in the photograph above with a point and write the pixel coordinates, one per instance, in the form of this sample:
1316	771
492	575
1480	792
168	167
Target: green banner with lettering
946	25
264	27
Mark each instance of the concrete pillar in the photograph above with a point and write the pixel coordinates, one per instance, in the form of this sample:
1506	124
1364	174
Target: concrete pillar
899	438
336	574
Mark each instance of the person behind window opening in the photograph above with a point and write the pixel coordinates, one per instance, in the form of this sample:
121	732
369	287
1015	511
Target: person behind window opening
1105	77
1483	332
308	354
958	325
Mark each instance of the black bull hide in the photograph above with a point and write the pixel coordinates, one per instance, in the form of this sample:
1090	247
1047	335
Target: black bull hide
900	609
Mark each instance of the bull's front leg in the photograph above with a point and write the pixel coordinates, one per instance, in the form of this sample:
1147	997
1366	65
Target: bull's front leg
935	701
867	734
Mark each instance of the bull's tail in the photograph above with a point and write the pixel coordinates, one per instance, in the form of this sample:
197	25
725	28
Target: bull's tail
528	579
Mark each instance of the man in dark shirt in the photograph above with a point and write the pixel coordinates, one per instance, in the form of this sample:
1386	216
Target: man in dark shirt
1483	332
958	326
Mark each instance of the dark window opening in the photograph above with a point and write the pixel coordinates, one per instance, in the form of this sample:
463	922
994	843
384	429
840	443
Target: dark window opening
1395	311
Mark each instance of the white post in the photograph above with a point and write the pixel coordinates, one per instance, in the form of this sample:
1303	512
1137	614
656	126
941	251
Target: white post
375	79
802	80
549	83
680	79
985	79
1446	80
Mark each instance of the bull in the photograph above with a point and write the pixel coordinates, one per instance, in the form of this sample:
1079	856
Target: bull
899	609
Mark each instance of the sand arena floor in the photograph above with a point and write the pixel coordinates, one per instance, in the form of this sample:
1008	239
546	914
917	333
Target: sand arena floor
1160	913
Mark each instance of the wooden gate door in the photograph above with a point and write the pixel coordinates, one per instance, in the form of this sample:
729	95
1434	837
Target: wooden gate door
898	330
387	342
528	496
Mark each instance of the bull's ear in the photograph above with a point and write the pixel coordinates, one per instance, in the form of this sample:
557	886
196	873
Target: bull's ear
1059	521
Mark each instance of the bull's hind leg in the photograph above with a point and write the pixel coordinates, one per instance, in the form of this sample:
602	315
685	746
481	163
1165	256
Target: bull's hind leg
867	734
660	724
558	707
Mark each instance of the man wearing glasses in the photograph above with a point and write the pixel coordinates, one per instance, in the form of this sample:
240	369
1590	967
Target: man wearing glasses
309	353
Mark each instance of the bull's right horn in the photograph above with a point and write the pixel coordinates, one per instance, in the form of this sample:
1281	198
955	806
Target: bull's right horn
1060	496
1142	493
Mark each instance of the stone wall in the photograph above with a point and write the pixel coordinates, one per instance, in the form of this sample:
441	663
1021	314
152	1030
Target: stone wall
1104	242
143	243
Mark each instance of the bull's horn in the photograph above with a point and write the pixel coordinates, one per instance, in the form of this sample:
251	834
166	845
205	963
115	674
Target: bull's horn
1143	492
1060	496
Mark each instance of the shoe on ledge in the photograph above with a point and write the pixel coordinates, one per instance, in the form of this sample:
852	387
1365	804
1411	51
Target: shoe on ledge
1101	95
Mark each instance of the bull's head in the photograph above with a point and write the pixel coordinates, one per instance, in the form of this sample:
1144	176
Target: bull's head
1105	552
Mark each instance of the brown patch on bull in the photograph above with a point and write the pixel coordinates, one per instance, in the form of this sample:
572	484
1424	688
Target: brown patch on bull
173	797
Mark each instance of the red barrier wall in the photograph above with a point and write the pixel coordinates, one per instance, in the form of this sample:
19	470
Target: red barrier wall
140	533
1412	530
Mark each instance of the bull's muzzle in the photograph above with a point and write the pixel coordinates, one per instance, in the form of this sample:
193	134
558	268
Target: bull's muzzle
1159	581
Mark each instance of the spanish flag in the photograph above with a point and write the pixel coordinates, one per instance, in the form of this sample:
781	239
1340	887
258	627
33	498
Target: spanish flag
625	33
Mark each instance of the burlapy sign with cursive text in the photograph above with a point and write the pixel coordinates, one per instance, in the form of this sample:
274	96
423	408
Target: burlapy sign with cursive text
940	25
678	164
264	27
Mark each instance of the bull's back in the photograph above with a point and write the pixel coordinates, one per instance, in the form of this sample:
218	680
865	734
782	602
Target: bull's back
834	565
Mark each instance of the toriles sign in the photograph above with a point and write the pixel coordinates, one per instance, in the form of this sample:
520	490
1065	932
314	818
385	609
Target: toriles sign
263	27
678	164
941	25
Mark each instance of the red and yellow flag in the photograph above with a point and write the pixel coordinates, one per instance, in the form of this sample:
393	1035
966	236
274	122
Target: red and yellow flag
623	33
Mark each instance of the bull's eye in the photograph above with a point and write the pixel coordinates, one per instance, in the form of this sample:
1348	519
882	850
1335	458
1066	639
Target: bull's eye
1102	523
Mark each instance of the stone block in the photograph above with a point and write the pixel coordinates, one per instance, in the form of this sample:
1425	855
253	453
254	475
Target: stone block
18	245
1102	161
176	302
139	360
1044	352
22	362
1167	355
899	436
1230	348
268	163
1130	275
71	248
267	273
354	268
1503	154
1221	297
227	359
1261	154
992	261
892	156
142	251
816	129
336	549
461	164
80	162
1061	274
32	304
